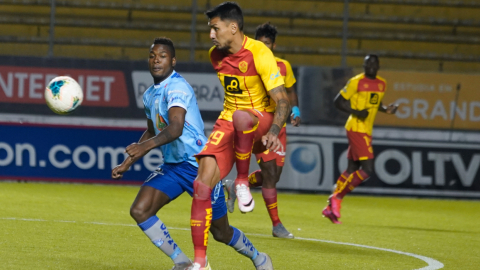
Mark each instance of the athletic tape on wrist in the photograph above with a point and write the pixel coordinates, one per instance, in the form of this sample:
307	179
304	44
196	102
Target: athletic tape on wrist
295	112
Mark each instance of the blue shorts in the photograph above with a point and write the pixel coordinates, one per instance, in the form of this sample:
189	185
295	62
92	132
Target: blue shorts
175	178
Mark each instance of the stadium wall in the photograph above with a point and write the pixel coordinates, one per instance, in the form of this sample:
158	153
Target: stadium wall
419	158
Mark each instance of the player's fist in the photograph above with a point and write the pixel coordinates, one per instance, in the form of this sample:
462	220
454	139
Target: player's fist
136	150
118	171
392	108
272	142
295	121
362	114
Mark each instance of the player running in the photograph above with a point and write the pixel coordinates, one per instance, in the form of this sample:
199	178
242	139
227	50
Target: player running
247	70
175	125
365	93
271	163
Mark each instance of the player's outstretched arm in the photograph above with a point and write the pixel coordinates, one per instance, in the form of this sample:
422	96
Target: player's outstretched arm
293	98
343	105
118	171
270	140
390	109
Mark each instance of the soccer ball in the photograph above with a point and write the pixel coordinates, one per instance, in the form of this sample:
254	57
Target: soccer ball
63	95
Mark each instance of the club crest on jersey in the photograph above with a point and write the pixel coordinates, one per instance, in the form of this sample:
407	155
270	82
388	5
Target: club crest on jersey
243	66
161	124
380	87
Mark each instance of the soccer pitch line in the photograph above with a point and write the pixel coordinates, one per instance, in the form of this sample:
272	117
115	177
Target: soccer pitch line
432	264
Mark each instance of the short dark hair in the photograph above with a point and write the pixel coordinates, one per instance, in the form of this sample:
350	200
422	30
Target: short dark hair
373	56
167	42
229	11
266	30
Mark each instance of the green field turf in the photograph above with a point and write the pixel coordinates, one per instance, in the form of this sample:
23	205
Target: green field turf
73	226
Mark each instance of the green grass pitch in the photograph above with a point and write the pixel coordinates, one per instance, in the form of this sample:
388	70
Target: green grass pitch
74	226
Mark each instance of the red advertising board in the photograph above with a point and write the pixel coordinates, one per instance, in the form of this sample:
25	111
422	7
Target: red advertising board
102	88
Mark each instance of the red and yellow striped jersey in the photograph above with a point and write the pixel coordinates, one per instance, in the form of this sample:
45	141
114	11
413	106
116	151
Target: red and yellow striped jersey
246	77
364	93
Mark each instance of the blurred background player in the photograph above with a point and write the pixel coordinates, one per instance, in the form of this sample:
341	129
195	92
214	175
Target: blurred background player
175	125
271	163
365	93
247	70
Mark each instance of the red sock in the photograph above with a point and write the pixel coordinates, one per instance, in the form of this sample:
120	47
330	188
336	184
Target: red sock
243	152
201	219
243	144
270	198
355	179
255	179
341	181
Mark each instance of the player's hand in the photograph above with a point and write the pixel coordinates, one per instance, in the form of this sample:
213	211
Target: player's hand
136	150
392	108
295	121
295	116
272	142
118	171
362	114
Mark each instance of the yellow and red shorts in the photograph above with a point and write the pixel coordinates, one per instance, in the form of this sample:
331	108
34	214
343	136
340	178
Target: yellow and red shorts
220	142
278	156
359	146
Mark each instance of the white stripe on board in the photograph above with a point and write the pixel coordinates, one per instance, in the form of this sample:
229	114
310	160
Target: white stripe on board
432	264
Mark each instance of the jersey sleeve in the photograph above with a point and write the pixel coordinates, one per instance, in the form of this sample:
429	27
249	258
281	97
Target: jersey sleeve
350	89
145	105
267	68
178	95
290	77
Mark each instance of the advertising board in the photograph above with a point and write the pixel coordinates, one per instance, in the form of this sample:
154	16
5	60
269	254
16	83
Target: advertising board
69	153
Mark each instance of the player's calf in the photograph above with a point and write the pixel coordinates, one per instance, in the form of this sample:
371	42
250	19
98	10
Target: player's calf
200	222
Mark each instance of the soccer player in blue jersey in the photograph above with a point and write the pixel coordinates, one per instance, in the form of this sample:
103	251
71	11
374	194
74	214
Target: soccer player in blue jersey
175	125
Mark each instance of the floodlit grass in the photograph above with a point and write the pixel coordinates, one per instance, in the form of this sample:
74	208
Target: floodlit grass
73	226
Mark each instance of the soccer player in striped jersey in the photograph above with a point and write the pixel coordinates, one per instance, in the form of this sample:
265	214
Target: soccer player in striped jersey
365	93
256	107
271	163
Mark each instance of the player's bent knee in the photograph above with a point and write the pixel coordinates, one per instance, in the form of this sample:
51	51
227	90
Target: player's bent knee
208	171
201	190
242	120
140	214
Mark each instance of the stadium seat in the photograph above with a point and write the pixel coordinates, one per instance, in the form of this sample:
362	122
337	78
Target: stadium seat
425	35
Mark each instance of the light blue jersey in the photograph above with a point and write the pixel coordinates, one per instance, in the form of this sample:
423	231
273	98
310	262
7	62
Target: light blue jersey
175	91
